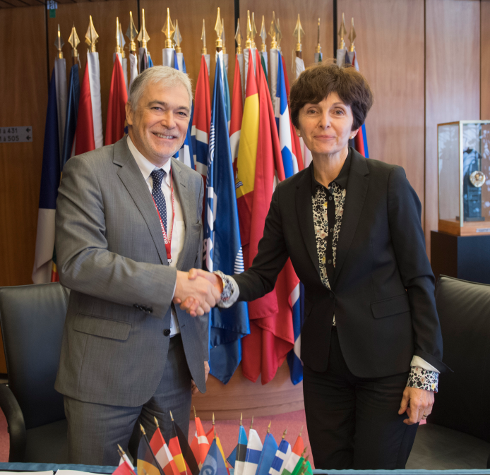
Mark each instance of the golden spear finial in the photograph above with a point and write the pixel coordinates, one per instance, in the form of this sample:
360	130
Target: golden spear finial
168	29
195	413
59	43
74	41
132	34
172	417
156	422
284	434
318	46
352	36
273	31
142	430
298	31
218	27
122	42
118	38
279	34
91	36
269	427
223	34
212	420
301	431
177	39
252	423
143	37
248	43
204	50
254	30
241	418
263	35
238	38
342	32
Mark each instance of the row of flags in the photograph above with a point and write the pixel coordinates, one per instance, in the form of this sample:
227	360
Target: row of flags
243	144
205	454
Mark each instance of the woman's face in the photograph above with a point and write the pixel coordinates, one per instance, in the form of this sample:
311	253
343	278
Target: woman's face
327	126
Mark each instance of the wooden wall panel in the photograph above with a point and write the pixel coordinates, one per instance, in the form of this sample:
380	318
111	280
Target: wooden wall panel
452	81
390	48
287	13
190	15
484	60
23	98
104	17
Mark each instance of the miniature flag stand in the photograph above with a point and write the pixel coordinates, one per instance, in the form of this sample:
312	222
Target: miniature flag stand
204	456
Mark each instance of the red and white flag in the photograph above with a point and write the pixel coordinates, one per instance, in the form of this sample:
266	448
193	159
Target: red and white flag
118	96
89	135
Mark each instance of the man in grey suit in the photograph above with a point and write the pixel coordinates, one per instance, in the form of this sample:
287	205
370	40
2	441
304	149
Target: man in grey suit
128	228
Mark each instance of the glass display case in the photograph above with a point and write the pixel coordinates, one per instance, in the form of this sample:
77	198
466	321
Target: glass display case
464	177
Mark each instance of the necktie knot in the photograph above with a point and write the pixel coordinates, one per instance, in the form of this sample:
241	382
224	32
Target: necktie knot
158	176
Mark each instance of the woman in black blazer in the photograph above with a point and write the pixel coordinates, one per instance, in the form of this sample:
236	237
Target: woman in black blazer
371	340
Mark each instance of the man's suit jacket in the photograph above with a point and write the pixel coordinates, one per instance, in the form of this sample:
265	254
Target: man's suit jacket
383	288
111	253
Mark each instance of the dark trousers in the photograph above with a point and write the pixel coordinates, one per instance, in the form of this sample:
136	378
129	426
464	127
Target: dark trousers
353	423
95	430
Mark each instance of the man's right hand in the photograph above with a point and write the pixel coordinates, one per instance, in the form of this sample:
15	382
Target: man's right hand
190	304
199	293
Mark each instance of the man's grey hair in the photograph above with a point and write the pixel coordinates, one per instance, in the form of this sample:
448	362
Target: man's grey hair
172	77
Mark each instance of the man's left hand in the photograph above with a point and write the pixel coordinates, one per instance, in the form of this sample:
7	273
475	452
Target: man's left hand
194	388
417	403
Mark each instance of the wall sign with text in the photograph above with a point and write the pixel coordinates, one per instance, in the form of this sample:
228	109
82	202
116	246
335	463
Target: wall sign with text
16	134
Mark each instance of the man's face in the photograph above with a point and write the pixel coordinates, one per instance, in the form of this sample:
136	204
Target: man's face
158	124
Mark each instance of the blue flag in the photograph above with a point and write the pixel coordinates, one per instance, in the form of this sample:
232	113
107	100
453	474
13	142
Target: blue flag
223	248
267	455
71	115
214	463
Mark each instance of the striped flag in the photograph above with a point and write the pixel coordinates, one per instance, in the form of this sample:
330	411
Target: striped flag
222	245
282	456
162	454
182	452
200	443
146	458
89	122
236	114
50	181
201	120
305	152
118	96
267	455
241	451
254	449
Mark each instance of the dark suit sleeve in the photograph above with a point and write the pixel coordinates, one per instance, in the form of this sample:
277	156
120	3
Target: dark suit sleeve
271	257
85	263
404	212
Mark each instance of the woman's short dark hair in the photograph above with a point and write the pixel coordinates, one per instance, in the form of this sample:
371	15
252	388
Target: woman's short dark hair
317	82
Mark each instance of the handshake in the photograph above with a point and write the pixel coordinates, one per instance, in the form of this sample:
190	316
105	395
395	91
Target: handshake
197	291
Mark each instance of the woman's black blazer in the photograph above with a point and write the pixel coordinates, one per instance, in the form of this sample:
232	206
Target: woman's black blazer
383	288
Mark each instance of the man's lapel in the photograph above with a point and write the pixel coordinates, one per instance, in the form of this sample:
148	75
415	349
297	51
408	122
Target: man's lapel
186	202
356	192
133	180
304	212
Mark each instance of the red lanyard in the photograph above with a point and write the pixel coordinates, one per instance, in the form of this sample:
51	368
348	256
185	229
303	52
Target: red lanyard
168	240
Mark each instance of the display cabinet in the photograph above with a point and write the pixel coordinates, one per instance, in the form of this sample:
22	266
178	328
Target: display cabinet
464	177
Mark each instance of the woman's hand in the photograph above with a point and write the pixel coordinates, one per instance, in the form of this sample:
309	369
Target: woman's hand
417	403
